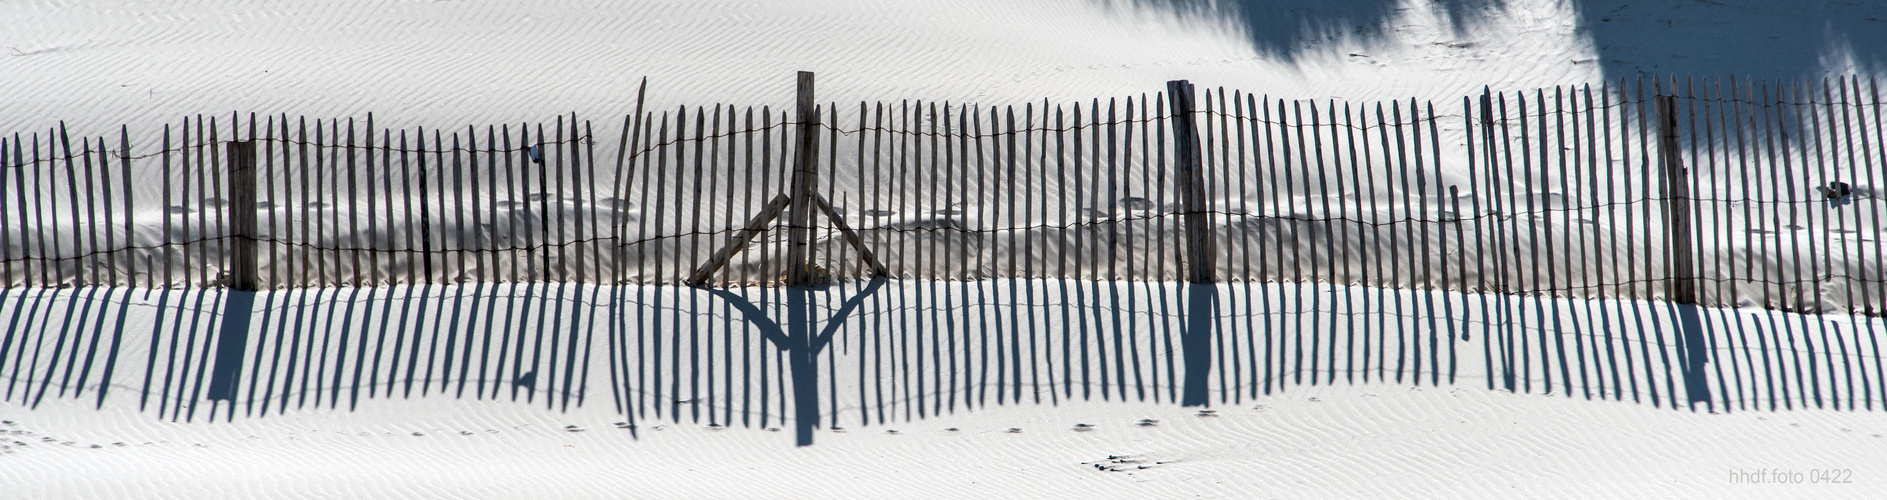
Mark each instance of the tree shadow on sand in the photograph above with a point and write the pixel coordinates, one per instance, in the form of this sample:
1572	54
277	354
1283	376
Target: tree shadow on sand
1763	39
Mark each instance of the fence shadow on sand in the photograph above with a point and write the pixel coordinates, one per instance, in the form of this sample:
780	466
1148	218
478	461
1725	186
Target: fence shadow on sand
882	353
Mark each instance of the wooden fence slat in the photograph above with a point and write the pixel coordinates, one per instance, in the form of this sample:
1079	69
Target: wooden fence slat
218	189
584	152
1771	279
1722	255
1296	187
483	257
547	245
1150	257
905	191
335	250
268	178
1028	181
624	179
1742	98
556	226
95	251
1876	306
1440	253
1159	182
1326	270
1114	199
836	268
1007	156
767	185
1847	258
712	149
1840	217
72	198
1126	196
1822	273
1591	231
9	169
460	229
7	215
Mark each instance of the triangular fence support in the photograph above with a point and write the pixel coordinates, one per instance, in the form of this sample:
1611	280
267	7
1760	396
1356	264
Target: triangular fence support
803	201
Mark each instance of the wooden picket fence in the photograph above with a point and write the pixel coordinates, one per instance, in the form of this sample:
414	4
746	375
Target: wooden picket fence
1718	193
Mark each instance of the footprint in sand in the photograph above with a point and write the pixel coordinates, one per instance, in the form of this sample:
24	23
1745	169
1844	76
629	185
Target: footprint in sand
1125	463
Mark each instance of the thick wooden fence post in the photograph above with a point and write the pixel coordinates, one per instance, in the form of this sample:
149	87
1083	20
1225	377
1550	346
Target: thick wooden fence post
1192	184
799	253
243	270
1682	285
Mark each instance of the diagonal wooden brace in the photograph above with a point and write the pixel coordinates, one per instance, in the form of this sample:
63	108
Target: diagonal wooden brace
754	227
851	236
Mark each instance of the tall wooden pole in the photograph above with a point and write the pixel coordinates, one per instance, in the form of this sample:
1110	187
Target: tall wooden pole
1192	185
1682	286
799	253
242	215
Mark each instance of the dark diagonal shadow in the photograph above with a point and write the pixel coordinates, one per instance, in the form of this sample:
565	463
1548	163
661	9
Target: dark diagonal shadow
796	338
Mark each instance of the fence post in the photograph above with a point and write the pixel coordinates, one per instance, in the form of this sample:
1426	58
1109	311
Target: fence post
1192	184
243	270
806	156
1682	284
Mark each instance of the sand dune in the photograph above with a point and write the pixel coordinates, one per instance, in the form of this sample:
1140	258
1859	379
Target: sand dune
981	389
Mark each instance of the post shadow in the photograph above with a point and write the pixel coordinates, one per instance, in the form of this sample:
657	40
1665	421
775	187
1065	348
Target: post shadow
233	336
801	345
1693	353
1202	310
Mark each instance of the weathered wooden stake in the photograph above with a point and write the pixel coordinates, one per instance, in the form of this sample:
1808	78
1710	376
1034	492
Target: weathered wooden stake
1192	184
1682	285
851	237
805	176
243	271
